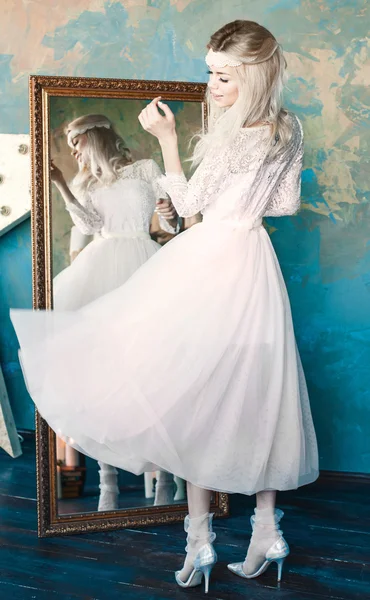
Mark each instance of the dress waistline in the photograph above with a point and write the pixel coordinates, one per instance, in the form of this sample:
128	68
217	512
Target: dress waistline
128	235
244	224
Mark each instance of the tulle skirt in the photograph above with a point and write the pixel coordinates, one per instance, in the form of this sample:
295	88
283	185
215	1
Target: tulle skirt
190	367
104	265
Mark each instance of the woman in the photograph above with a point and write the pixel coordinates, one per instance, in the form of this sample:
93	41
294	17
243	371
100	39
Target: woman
112	198
222	401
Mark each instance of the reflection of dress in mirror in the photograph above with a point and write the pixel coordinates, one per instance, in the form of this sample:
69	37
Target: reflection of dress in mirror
113	199
165	483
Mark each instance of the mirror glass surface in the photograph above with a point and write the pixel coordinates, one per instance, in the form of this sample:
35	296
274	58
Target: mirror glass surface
87	264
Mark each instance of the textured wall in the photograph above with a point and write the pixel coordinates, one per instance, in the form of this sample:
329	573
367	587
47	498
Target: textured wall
15	292
324	251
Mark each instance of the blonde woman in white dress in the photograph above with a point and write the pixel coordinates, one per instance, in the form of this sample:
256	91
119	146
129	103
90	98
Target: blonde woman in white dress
113	199
221	401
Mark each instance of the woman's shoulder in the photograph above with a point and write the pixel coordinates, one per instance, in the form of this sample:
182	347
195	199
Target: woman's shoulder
290	115
145	163
294	121
146	167
136	167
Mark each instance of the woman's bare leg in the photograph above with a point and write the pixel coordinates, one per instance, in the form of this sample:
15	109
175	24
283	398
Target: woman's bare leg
266	500
199	500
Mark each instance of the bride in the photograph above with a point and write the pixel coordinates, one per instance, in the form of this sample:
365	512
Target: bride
201	375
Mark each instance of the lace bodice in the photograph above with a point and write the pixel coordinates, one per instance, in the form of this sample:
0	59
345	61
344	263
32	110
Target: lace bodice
224	184
126	206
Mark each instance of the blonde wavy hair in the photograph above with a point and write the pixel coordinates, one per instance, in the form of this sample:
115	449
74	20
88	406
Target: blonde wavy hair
260	81
107	152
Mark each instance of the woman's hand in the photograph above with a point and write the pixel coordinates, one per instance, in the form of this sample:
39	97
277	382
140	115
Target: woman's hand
56	174
165	209
162	127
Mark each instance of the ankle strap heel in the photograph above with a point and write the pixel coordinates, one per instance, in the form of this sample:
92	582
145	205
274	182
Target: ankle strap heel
199	530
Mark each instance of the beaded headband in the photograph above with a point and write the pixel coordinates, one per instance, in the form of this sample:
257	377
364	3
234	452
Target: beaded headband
72	133
221	59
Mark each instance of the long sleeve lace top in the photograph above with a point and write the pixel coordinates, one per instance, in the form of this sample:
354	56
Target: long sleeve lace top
224	184
125	206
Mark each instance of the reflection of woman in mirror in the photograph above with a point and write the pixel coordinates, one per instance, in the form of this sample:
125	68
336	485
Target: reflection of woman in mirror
202	377
113	199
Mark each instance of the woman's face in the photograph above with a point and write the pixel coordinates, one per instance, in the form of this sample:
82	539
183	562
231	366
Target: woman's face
79	143
223	86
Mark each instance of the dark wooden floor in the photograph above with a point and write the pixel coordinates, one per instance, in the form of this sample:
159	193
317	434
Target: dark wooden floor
327	526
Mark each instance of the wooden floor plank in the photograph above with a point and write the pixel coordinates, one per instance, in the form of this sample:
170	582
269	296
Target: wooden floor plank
327	526
14	591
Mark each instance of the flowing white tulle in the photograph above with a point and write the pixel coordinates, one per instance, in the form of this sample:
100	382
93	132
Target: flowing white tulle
190	367
182	377
104	265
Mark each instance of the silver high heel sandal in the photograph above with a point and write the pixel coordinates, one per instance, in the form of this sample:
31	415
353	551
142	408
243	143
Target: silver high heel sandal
277	552
206	557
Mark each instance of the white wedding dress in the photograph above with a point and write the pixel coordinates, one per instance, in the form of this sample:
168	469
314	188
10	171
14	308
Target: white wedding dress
119	216
191	366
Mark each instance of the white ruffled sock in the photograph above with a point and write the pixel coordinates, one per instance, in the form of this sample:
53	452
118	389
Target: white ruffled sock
199	530
164	488
266	531
109	492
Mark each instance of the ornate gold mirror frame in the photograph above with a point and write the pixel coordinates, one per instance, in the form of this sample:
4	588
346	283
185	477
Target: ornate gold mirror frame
42	89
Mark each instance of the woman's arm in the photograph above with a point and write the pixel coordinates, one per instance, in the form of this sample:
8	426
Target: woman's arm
287	198
87	219
168	218
77	242
174	183
170	149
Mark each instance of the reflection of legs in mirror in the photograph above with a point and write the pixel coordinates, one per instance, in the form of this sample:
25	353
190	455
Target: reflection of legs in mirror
168	488
164	488
180	489
149	484
108	499
200	554
267	544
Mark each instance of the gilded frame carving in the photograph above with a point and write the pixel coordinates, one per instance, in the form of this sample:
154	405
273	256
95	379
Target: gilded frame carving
41	89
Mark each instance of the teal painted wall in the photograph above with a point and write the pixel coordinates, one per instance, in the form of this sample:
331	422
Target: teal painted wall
15	291
324	252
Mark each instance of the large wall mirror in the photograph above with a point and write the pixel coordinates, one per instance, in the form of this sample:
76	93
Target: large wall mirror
68	482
